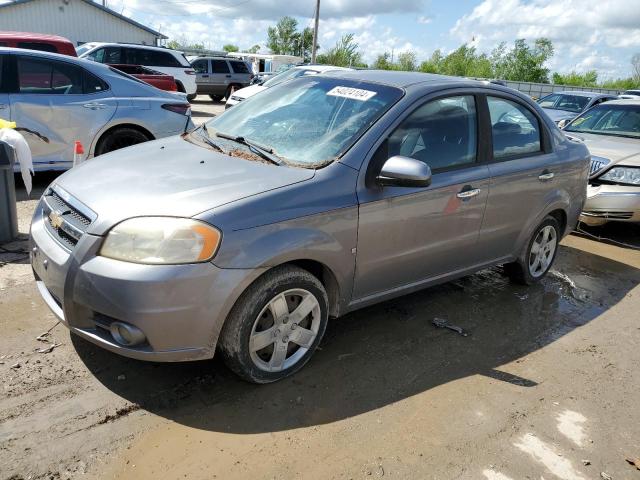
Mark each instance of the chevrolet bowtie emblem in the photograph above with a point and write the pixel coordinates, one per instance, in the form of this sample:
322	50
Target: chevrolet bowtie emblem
56	219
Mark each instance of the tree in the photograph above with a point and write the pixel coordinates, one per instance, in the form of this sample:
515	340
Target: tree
344	54
173	44
635	64
434	64
587	79
254	49
305	44
407	61
382	62
230	47
283	39
524	63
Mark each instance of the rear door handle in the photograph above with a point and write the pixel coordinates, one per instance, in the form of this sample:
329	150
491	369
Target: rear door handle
94	106
3	106
546	175
467	194
228	76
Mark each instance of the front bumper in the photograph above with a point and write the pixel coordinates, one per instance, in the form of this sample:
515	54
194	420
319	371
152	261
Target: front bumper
179	308
607	203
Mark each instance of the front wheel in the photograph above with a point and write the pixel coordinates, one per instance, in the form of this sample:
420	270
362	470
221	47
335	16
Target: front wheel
275	326
534	263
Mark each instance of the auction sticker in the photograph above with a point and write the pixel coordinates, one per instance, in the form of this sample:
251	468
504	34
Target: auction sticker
352	93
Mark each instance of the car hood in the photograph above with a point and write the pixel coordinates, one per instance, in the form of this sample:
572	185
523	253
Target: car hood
169	177
619	150
557	115
249	91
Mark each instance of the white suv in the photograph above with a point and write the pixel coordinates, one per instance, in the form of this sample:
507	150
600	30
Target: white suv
165	60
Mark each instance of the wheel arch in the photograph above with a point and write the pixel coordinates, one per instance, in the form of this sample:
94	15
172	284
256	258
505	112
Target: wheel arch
102	135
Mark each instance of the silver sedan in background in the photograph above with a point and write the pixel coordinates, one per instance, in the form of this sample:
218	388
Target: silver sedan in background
612	133
57	100
563	107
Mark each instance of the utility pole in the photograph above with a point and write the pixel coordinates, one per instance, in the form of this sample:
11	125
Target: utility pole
314	47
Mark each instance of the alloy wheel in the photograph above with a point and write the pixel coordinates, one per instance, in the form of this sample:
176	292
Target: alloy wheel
542	251
284	330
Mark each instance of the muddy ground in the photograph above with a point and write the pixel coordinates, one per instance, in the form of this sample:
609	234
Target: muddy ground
545	385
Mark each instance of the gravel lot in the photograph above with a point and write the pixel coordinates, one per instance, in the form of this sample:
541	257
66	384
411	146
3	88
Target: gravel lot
545	385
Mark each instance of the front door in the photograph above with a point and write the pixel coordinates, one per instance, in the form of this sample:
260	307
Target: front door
407	236
201	66
58	103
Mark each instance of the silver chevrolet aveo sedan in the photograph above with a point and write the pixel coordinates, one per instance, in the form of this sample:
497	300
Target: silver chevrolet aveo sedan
301	204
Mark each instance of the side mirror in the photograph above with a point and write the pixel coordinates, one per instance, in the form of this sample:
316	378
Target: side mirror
402	171
563	123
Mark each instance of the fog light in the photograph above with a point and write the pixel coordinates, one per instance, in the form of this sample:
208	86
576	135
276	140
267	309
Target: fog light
126	334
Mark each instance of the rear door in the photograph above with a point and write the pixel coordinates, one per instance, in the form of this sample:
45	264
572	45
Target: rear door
56	104
220	76
241	74
407	236
522	174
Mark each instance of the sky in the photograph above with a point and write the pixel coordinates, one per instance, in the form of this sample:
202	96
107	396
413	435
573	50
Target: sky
587	34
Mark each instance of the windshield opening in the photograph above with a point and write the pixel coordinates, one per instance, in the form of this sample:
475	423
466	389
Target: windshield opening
616	120
311	121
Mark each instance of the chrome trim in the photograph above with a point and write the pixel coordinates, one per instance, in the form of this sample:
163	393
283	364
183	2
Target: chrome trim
74	202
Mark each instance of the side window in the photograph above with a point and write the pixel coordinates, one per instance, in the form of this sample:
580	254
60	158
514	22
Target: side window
133	56
548	101
239	67
219	66
201	66
442	133
43	47
93	84
48	77
516	130
108	55
2	81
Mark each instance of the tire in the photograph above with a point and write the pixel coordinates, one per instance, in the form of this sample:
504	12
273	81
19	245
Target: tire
191	97
252	333
120	138
531	267
216	98
180	87
227	93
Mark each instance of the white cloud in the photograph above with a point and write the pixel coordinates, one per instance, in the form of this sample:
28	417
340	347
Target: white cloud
424	19
577	28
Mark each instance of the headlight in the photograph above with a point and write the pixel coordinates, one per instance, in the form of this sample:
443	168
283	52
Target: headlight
161	240
624	175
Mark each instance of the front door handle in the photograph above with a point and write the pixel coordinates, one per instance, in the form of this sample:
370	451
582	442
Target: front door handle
546	175
94	106
228	76
3	106
467	194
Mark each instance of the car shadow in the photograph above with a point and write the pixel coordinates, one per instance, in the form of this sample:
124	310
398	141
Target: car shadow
384	353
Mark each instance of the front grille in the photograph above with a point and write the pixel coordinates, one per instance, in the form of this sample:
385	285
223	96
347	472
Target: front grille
66	222
612	215
597	164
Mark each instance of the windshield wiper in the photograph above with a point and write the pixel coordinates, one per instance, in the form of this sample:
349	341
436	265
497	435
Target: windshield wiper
206	139
260	150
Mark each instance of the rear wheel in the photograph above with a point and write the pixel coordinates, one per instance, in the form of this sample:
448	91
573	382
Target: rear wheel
216	98
275	326
191	97
534	263
120	138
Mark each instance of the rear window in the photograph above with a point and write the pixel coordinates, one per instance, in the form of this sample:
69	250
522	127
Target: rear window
239	67
43	47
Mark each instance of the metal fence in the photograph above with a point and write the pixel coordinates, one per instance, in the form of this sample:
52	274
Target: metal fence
538	90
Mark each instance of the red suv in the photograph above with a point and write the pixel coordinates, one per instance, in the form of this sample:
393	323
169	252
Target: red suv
38	41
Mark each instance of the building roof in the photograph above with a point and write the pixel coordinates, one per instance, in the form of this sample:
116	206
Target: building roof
99	7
